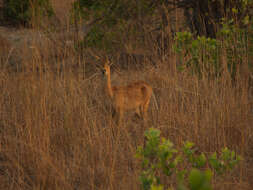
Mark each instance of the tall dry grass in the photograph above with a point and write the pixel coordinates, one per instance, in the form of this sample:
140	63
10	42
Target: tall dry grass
57	130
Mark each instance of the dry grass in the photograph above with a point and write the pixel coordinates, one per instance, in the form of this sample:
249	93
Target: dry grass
57	131
61	9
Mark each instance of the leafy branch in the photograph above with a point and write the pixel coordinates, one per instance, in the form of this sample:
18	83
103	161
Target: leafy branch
193	171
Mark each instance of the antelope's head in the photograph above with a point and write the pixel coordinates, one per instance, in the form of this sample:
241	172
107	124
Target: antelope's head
106	68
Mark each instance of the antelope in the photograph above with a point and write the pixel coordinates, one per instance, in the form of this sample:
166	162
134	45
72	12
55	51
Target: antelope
134	96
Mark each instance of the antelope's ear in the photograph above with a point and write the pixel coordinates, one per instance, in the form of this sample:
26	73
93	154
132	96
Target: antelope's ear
107	61
111	63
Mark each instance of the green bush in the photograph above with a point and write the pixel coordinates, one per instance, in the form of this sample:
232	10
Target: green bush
194	171
201	53
229	51
26	12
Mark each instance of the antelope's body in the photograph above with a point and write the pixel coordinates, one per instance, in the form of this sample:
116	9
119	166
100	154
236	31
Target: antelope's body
135	96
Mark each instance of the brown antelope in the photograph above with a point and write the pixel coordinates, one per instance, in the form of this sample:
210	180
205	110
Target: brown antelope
135	96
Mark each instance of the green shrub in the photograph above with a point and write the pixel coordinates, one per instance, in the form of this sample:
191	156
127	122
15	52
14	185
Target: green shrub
230	50
194	171
201	53
26	12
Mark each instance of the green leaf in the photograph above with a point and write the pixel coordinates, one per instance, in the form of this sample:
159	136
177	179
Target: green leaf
177	160
181	186
188	145
246	20
187	149
225	154
234	10
146	182
199	180
156	187
181	175
200	160
195	44
152	133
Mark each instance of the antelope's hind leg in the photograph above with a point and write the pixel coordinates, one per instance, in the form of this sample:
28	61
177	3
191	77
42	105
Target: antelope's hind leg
145	110
138	112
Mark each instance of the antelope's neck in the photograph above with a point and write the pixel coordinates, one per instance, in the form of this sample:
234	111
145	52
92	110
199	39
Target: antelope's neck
109	87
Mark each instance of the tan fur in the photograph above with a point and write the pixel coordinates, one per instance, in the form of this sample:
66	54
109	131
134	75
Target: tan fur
135	96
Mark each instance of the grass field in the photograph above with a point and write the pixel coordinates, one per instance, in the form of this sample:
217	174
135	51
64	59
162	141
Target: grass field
57	129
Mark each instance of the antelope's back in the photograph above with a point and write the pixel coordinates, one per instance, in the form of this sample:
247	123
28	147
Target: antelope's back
132	95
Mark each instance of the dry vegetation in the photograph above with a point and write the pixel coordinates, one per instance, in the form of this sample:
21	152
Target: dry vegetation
57	130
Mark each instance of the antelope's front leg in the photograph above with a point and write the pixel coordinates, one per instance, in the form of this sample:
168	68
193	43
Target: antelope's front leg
137	111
